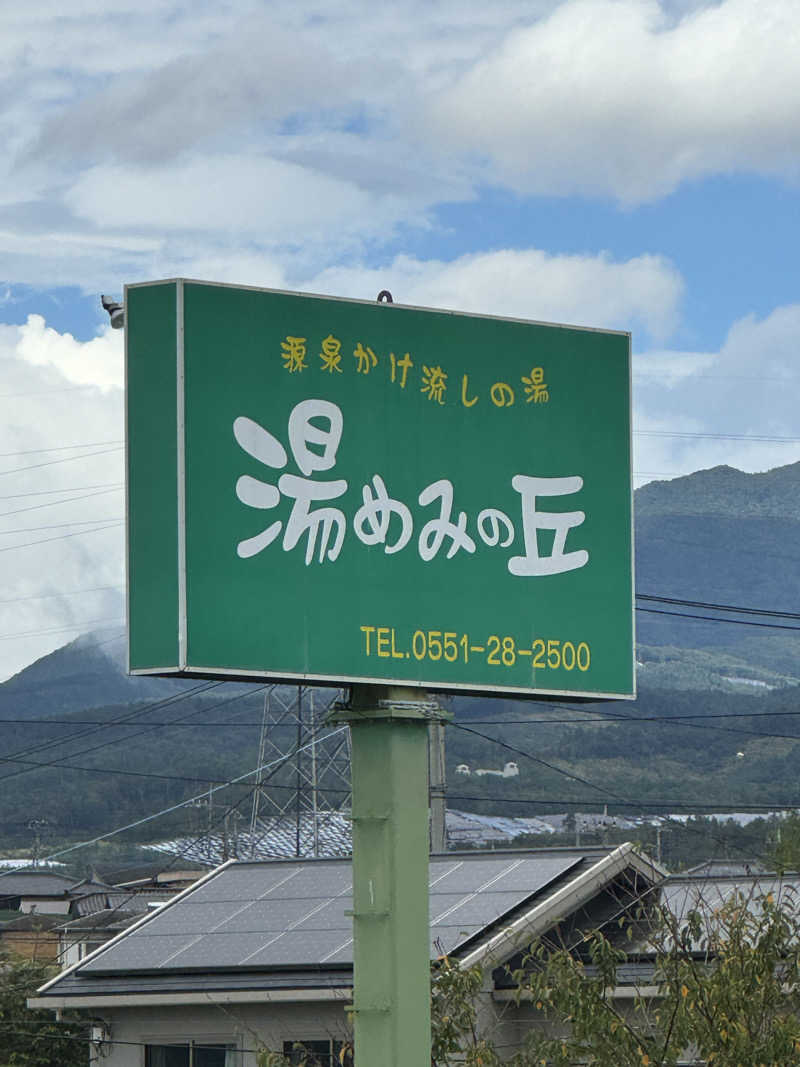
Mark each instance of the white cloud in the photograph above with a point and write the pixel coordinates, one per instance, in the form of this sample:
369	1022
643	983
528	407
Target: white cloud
318	134
97	362
250	78
612	97
322	131
740	401
582	289
60	506
259	199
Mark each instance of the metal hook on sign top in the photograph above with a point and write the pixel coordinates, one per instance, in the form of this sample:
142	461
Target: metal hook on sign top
385	297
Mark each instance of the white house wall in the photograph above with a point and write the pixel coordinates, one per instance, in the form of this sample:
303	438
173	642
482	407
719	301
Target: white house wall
242	1024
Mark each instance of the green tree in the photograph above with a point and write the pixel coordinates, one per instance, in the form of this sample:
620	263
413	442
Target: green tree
32	1038
724	988
785	856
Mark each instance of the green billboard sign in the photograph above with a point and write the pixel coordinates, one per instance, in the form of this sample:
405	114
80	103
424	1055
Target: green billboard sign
335	490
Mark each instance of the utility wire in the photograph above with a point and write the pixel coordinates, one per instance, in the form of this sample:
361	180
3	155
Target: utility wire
65	629
61	448
191	800
658	806
593	785
192	843
762	438
677	719
61	537
708	606
67	459
54	503
60	525
148	728
106	744
712	618
60	596
120	719
66	489
543	763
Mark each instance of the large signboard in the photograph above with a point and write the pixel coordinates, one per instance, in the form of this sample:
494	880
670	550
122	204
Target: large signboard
337	490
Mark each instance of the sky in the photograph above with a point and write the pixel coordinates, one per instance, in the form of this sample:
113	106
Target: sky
630	164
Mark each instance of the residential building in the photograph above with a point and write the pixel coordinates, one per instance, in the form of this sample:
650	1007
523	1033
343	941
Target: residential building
260	954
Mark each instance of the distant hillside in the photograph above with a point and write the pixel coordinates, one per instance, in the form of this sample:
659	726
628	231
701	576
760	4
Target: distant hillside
80	675
725	491
724	537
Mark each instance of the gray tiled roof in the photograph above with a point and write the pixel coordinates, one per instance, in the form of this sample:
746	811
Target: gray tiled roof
34	883
299	913
252	925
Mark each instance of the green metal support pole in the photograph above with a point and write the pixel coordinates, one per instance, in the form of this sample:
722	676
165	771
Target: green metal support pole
391	1000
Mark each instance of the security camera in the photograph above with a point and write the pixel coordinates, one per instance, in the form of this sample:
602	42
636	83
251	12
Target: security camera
116	312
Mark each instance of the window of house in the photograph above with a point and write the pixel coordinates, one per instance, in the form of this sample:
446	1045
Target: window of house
191	1054
318	1053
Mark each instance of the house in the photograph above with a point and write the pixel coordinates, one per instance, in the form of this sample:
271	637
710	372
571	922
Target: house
148	878
42	892
48	916
93	925
38	890
259	954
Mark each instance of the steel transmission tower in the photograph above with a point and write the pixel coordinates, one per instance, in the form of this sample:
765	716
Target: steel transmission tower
301	805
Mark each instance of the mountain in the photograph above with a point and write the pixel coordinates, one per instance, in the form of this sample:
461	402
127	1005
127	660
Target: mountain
727	492
80	675
724	537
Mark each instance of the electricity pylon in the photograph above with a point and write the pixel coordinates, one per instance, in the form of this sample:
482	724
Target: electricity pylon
299	803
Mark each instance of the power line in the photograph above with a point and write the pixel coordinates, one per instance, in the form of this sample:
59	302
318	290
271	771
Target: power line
192	800
64	629
712	618
543	763
119	720
679	719
61	537
60	596
95	748
761	438
61	448
636	805
718	607
261	781
66	489
55	503
148	728
33	764
585	781
532	721
67	459
624	801
60	525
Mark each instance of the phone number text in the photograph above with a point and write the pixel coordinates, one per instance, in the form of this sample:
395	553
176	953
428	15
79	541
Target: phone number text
497	650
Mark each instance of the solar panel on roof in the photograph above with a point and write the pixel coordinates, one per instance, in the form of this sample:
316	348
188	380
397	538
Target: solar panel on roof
296	914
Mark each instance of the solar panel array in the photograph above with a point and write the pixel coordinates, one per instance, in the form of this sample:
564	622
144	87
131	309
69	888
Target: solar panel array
260	915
